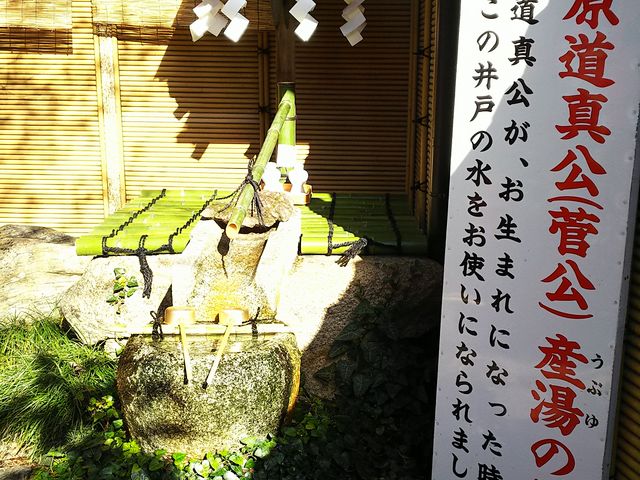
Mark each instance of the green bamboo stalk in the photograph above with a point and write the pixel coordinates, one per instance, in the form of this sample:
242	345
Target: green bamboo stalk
92	244
319	247
245	196
187	194
287	134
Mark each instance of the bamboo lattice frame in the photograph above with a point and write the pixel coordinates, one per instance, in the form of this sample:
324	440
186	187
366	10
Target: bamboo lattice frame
36	14
168	13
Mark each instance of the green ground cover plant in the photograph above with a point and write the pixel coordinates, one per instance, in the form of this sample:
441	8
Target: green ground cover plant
57	393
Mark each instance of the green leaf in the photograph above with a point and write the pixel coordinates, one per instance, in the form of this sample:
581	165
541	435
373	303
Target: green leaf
179	460
112	299
118	272
361	383
215	462
344	370
155	464
338	348
326	374
350	335
290	432
132	282
237	459
130	292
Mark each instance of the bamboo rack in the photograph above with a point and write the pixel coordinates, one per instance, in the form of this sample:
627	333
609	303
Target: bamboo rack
213	329
359	215
159	222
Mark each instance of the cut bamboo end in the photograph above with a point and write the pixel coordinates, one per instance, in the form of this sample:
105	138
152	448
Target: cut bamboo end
233	316
179	316
232	230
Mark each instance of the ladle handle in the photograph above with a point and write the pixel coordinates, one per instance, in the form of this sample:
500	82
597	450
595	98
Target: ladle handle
185	354
216	362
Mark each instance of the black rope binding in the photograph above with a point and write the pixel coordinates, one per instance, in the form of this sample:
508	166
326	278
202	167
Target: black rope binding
420	186
393	223
256	203
142	252
355	247
156	332
362	244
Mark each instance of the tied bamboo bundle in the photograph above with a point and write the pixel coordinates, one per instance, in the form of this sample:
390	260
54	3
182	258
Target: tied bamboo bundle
157	218
346	224
247	190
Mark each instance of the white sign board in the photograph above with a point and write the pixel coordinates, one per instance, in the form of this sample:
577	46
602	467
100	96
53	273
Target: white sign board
542	188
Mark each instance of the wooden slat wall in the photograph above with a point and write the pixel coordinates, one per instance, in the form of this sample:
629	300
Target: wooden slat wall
50	165
423	140
189	111
627	451
352	101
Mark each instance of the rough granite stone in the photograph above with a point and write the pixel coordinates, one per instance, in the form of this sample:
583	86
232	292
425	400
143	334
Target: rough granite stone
319	298
276	207
84	306
37	265
211	274
252	392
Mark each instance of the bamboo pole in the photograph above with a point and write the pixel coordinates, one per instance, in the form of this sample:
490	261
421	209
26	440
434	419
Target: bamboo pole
245	196
92	244
287	137
214	329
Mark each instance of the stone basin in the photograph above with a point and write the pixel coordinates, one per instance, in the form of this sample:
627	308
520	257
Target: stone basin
255	386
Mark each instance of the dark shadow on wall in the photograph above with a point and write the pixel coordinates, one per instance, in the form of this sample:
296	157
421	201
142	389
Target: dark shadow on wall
376	349
352	100
214	83
36	40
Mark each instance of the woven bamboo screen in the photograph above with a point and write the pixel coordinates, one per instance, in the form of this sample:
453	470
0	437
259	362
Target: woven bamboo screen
423	122
627	452
36	14
169	13
50	162
352	101
189	111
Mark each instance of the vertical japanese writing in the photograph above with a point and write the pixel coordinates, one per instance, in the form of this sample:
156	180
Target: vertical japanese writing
575	213
541	165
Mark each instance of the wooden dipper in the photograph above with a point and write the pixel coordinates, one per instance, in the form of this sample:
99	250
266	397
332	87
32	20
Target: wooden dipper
230	318
182	316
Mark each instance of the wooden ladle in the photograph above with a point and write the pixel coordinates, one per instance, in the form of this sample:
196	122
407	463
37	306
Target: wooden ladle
229	318
182	316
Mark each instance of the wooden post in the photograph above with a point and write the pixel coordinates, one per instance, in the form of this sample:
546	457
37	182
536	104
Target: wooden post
285	41
108	88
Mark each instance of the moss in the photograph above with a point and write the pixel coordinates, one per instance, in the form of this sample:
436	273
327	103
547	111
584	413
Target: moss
249	396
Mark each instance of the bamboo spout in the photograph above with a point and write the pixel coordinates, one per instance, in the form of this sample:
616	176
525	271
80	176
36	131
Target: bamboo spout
239	212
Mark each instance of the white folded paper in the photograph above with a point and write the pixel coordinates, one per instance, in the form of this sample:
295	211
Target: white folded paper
300	11
353	14
236	27
213	17
286	156
232	8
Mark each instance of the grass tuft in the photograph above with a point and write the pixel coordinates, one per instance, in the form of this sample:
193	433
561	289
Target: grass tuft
46	380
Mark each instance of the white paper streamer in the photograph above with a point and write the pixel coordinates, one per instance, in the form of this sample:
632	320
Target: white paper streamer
300	11
353	14
213	16
209	19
